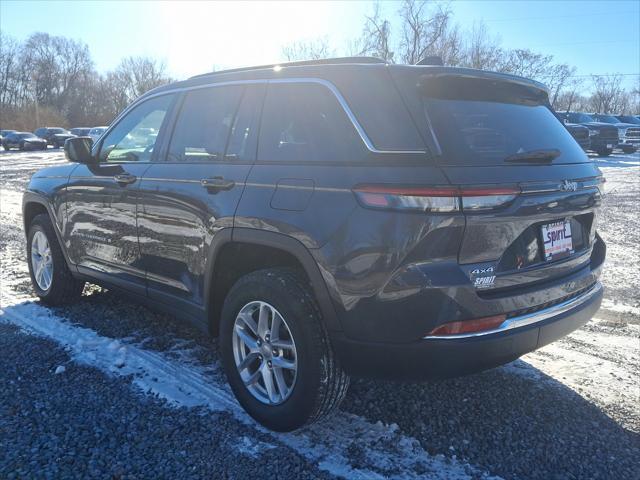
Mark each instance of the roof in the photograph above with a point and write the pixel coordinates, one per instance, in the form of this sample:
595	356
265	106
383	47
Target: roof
336	66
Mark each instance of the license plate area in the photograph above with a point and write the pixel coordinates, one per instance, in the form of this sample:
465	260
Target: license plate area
557	240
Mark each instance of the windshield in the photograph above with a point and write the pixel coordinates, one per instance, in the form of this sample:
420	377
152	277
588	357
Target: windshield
579	118
486	132
607	119
57	130
26	135
629	119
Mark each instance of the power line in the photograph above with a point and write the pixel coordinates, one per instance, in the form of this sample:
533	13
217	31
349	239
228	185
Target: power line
553	17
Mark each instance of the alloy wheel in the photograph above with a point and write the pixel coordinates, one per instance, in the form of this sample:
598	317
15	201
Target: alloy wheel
264	352
41	260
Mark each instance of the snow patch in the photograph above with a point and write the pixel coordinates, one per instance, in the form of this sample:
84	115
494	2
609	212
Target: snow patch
331	444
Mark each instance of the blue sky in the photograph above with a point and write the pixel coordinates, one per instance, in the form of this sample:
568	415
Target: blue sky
598	37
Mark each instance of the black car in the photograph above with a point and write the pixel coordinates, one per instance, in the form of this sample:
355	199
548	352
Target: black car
628	132
54	136
23	141
332	218
580	134
603	136
80	131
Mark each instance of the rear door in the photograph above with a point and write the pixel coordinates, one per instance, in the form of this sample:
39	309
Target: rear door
103	197
191	195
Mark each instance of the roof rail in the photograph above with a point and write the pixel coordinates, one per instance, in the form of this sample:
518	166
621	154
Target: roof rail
322	61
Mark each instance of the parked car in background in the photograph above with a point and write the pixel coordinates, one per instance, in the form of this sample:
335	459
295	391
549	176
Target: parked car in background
96	132
55	136
633	119
327	220
23	141
580	133
603	136
4	133
80	131
628	133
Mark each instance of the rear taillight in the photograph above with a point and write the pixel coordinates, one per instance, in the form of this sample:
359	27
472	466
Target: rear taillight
468	326
434	199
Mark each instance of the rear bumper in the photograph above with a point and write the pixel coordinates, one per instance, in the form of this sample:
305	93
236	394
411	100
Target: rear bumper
438	357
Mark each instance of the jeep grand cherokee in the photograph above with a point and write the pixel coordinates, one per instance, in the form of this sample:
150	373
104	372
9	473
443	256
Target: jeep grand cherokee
332	218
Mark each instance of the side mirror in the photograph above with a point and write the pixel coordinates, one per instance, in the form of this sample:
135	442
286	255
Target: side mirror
78	150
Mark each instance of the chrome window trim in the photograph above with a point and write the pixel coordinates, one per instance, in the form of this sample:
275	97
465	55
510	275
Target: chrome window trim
528	319
302	80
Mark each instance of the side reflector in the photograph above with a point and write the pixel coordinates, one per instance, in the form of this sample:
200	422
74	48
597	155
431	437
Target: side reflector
469	326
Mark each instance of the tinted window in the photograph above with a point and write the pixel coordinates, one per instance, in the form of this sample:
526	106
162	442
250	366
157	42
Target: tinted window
241	145
204	123
486	132
133	138
305	123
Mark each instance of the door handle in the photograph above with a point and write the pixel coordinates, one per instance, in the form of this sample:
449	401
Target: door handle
125	178
216	184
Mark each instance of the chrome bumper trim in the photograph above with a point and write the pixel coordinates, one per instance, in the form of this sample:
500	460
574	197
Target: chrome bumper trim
529	318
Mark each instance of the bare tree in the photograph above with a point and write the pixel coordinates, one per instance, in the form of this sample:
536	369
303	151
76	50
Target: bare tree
376	36
308	50
482	51
424	24
608	95
137	75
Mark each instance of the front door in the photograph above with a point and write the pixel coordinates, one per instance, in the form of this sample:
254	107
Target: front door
102	198
189	196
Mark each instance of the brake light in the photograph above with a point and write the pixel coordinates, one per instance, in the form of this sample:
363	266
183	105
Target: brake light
434	199
469	326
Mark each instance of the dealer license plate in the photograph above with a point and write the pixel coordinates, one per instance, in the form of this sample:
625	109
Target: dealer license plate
557	239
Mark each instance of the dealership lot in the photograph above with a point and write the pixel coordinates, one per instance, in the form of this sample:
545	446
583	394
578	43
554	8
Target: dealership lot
109	386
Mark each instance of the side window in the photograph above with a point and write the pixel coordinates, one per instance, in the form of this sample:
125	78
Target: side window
204	123
133	138
242	140
305	123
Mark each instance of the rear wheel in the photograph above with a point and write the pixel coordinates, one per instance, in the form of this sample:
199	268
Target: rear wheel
6	147
276	351
629	150
50	275
604	153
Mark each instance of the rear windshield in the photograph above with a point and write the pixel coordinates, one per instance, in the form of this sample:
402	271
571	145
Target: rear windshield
477	132
482	123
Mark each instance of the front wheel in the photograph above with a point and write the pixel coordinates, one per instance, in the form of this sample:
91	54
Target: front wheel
604	153
276	351
50	275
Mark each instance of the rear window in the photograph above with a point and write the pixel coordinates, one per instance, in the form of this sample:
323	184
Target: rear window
484	124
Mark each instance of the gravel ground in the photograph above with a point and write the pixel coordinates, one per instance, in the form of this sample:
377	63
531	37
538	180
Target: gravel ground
570	410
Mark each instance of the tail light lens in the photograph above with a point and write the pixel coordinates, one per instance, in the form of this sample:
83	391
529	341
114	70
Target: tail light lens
434	199
468	326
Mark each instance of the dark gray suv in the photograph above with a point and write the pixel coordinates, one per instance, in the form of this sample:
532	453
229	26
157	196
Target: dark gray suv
335	218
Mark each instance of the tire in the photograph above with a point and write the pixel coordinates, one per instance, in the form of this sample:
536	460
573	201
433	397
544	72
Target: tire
629	150
63	288
319	385
21	147
6	148
604	153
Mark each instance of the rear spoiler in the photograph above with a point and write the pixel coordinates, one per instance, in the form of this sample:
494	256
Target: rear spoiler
469	84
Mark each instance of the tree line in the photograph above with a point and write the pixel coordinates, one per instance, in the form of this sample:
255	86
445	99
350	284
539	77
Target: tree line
424	28
52	80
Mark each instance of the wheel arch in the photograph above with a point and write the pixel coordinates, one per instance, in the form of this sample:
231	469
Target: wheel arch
238	251
34	204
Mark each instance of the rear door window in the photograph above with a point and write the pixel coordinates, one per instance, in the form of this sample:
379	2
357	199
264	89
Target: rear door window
204	124
304	123
487	123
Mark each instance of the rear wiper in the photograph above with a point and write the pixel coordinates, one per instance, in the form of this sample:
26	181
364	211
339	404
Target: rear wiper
534	156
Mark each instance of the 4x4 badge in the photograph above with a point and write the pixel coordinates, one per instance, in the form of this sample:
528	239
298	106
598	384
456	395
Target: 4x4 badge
567	186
